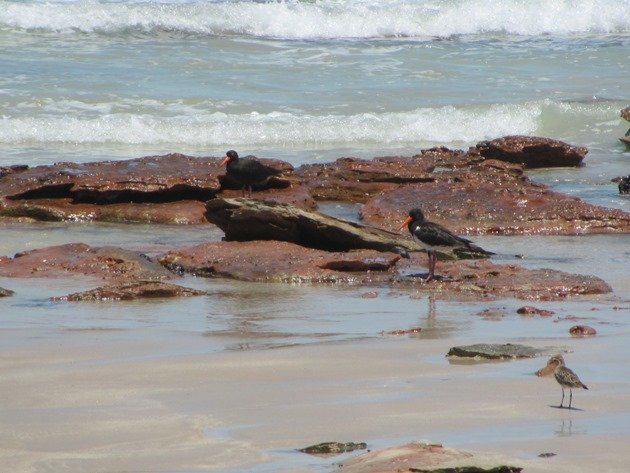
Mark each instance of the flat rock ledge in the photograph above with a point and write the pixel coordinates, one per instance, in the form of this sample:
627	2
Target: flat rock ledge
277	261
426	457
280	261
482	190
111	264
132	291
494	351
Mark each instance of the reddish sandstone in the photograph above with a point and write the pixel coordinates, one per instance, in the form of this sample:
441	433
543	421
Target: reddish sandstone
132	291
530	310
274	261
494	202
532	151
106	263
582	331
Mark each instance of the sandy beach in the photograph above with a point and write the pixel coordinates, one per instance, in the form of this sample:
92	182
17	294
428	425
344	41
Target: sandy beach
104	404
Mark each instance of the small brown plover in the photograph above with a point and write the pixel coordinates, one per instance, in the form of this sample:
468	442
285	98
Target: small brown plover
565	377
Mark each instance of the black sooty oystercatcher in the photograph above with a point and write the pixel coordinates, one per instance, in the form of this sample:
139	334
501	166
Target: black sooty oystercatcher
432	236
247	171
566	378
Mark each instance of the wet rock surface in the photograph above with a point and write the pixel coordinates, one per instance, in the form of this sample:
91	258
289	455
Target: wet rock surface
133	291
105	263
354	180
532	152
248	219
421	457
276	261
149	179
530	310
333	448
494	202
582	331
493	351
467	191
6	292
154	189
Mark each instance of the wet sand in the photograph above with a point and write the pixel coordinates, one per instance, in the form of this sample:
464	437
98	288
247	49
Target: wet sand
105	403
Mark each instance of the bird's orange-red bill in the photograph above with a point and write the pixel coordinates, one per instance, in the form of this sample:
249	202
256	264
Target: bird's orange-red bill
405	223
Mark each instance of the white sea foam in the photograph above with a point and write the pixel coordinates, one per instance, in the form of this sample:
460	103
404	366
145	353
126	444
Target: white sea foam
441	125
323	18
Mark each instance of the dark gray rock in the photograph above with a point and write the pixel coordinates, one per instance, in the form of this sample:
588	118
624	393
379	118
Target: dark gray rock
249	220
6	292
333	448
493	351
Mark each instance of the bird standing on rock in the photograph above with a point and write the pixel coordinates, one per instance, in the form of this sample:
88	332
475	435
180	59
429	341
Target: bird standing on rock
247	171
432	237
566	378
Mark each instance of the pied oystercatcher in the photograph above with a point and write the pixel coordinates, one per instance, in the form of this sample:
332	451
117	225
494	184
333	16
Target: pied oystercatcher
432	237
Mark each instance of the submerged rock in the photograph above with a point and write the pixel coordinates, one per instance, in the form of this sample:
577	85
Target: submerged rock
333	448
582	331
6	292
530	310
422	457
624	185
136	290
532	151
107	263
494	351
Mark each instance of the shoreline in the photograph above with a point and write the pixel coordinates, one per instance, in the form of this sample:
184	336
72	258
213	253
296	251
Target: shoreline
202	412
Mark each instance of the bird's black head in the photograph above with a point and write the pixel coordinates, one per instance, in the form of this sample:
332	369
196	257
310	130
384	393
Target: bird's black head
229	157
416	215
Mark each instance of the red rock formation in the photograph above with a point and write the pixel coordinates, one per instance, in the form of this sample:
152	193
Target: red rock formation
532	151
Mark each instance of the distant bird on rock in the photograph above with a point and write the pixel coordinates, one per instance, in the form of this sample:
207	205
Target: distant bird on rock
565	377
247	171
432	237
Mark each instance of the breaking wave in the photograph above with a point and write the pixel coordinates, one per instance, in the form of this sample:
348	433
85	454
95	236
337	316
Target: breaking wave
320	19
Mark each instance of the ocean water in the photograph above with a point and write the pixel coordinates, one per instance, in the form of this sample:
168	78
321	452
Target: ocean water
84	80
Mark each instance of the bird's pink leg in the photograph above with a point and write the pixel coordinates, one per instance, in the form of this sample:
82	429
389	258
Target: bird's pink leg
431	256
